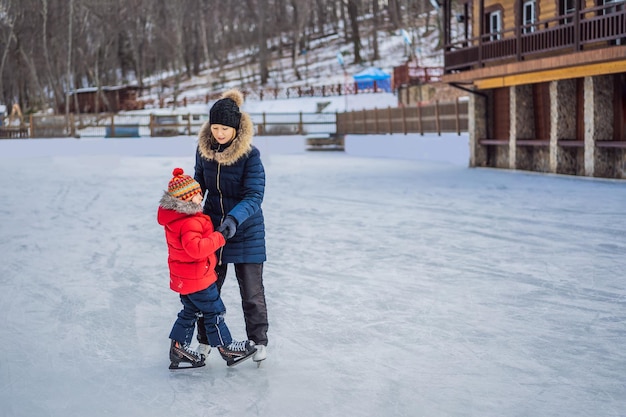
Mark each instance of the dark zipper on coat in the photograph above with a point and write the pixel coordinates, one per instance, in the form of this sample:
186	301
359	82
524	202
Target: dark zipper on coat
219	190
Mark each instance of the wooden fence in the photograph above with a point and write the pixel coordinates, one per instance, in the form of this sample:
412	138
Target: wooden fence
269	93
13	132
438	117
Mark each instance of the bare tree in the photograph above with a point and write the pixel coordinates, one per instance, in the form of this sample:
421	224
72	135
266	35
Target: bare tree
67	44
7	36
52	76
69	56
300	10
353	13
375	28
394	13
258	18
344	20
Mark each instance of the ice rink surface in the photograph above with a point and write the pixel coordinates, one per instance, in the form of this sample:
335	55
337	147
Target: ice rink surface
395	287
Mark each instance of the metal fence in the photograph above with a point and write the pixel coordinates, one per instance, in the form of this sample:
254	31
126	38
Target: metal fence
437	117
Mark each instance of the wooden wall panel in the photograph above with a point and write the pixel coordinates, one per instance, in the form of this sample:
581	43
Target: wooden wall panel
547	9
541	104
580	109
501	113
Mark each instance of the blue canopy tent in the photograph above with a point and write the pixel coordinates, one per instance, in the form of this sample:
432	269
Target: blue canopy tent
365	79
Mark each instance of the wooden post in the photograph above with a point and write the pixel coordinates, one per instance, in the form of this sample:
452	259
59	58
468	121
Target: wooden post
300	130
151	125
389	126
376	118
68	127
577	46
437	121
112	125
404	120
456	112
419	119
32	126
264	124
352	121
72	125
365	128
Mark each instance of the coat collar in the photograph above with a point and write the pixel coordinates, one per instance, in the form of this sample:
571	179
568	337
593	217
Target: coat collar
180	206
240	146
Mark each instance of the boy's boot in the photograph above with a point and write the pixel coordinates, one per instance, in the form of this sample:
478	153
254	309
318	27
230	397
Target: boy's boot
237	352
180	353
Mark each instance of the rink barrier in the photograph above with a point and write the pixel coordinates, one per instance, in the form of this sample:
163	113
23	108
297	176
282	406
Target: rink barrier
426	118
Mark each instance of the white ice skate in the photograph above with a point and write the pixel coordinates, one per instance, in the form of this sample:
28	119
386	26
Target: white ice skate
260	355
204	350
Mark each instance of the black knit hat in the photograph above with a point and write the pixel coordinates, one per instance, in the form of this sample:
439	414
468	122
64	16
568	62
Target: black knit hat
225	112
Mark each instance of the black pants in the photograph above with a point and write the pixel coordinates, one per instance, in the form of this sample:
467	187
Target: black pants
250	279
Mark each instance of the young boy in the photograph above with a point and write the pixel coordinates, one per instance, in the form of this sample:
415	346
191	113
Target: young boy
191	243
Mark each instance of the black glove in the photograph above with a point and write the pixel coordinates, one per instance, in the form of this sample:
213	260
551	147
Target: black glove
228	227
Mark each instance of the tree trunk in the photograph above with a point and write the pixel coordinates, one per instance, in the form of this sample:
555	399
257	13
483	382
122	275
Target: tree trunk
5	53
353	13
344	19
262	39
375	24
69	58
394	14
51	76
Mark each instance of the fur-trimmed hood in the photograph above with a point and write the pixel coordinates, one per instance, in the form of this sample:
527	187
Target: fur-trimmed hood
172	209
240	146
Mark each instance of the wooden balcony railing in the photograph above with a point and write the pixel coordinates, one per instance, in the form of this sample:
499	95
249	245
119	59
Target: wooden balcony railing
602	25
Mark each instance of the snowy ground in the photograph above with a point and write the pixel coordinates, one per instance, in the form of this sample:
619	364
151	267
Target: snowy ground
401	285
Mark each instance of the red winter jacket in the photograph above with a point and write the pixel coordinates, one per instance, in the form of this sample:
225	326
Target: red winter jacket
191	244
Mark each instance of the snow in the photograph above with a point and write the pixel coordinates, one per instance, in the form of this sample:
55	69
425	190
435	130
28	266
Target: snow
305	104
399	282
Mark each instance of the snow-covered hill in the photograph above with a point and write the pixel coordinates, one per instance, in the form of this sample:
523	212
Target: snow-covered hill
318	66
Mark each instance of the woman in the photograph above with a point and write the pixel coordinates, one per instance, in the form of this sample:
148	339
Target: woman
229	168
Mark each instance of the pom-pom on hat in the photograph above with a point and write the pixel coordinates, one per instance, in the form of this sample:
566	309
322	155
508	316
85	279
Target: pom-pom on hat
183	186
226	111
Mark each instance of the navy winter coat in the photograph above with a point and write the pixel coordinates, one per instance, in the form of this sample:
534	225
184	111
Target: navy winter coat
234	176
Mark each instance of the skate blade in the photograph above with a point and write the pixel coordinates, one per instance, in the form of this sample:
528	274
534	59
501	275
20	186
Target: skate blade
176	366
234	362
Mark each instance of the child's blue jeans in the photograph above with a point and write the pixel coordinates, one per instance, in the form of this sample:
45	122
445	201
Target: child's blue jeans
206	303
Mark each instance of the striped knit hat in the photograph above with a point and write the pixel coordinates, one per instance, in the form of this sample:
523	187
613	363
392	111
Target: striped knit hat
183	186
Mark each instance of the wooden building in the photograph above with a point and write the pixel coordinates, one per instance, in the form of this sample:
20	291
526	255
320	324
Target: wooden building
104	100
547	82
